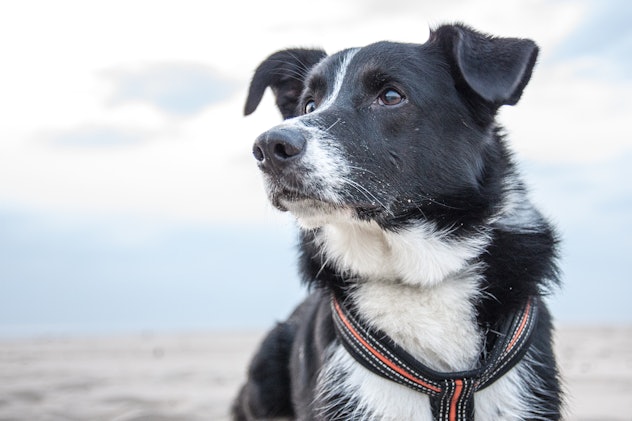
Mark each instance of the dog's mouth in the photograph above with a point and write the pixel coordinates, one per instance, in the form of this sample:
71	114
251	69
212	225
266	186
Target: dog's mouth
289	200
308	206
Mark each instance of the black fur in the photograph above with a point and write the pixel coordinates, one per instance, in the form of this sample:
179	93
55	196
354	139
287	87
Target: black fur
438	157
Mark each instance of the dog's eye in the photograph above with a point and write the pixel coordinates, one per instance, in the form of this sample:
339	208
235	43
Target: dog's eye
390	97
310	106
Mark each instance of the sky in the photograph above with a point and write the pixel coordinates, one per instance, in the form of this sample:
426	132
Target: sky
129	198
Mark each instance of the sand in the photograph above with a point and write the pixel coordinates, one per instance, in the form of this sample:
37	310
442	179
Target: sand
193	376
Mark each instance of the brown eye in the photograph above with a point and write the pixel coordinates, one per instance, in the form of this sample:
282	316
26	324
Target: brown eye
390	97
310	106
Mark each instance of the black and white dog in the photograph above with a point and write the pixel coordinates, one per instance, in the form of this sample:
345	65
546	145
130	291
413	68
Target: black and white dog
426	260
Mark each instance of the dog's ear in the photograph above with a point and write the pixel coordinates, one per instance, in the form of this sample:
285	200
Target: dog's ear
284	72
497	69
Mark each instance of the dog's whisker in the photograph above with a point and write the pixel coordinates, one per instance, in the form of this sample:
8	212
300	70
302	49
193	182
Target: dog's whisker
366	193
362	170
335	122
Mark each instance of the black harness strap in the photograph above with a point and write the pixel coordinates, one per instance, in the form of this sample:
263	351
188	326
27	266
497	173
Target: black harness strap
451	394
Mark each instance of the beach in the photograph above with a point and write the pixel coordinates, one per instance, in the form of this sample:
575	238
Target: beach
194	376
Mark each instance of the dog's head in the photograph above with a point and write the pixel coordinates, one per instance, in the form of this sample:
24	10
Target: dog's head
391	132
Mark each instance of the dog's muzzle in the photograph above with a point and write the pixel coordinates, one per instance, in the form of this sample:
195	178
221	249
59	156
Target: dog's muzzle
279	153
277	149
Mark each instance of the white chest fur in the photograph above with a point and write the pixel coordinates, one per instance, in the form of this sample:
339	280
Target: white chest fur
418	286
420	289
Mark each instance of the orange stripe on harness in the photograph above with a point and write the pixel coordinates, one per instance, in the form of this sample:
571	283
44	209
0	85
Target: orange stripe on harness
523	323
379	355
458	389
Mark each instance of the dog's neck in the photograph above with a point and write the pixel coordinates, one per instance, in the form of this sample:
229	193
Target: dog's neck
418	256
417	285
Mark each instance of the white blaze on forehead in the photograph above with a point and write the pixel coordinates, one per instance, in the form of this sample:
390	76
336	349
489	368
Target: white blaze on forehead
341	72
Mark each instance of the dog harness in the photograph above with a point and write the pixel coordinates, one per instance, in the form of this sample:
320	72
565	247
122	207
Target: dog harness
451	394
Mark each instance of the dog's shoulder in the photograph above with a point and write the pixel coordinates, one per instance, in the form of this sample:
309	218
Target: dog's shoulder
267	393
283	371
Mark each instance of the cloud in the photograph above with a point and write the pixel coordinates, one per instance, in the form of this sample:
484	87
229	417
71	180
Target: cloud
95	137
604	34
175	88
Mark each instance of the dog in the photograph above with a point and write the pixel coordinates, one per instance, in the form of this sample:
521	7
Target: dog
425	259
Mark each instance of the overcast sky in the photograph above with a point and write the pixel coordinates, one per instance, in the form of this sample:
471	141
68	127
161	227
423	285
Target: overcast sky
122	142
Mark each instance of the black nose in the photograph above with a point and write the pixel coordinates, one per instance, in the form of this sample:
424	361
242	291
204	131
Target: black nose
278	148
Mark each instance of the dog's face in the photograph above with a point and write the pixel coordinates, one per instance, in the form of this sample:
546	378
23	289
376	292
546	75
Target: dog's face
390	132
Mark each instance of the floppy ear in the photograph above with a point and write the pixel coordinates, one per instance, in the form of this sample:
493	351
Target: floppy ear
497	69
284	72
